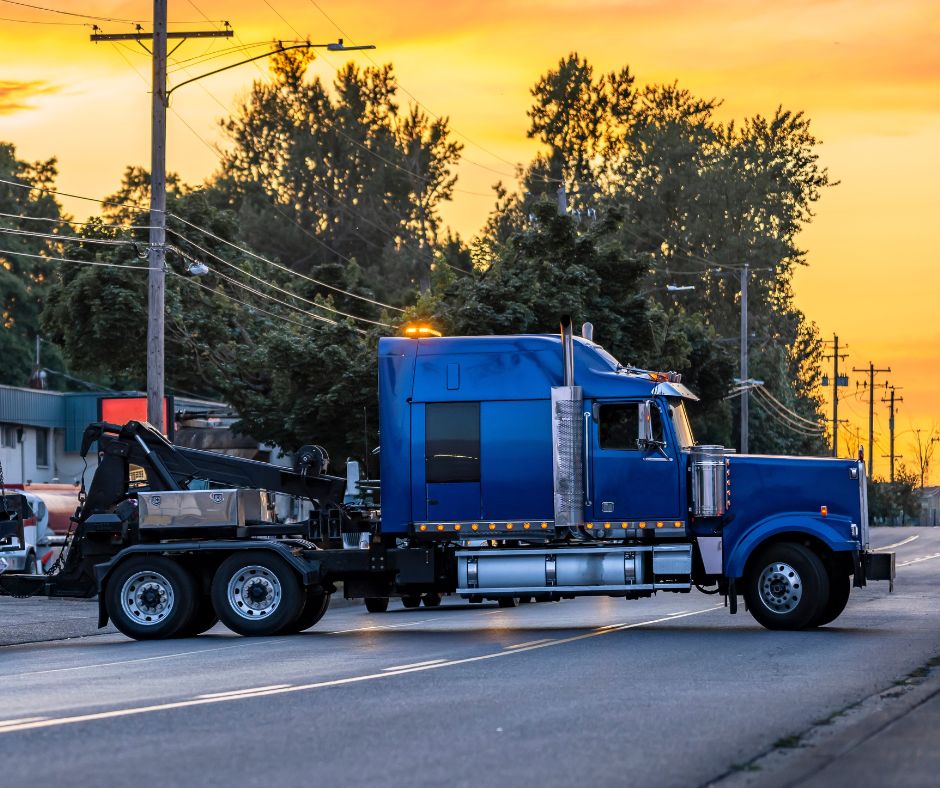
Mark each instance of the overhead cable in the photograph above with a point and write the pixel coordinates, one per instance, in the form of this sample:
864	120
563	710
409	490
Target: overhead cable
75	262
270	284
283	267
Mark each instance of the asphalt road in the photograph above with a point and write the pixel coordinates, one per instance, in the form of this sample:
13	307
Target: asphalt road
671	691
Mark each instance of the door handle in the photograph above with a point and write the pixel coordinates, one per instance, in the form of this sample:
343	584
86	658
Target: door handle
587	459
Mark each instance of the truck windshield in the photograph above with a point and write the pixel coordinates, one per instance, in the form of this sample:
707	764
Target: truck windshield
680	423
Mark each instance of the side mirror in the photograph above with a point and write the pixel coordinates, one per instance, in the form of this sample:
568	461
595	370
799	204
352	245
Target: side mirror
645	426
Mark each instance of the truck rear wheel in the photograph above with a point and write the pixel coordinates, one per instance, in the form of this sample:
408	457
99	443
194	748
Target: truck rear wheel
506	601
431	600
840	586
315	607
376	604
411	602
257	593
150	597
203	619
786	586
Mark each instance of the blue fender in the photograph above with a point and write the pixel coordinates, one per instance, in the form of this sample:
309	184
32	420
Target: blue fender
833	531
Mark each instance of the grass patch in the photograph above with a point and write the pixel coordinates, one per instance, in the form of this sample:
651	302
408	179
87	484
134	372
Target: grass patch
745	767
788	742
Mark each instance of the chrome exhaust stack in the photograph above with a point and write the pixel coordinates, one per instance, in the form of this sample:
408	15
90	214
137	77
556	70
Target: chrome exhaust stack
568	439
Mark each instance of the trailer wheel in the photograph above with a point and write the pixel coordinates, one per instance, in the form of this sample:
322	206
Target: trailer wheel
786	586
256	594
376	604
150	597
840	586
411	602
315	607
431	600
204	618
506	601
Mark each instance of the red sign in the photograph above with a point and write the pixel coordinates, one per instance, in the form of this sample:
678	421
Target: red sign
118	410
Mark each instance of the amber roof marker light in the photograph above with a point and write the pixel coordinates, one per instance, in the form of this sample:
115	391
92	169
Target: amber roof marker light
418	330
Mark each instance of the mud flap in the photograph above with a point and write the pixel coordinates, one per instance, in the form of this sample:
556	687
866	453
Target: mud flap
880	566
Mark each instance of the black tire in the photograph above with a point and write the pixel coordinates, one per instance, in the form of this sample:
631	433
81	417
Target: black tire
475	599
150	597
506	601
840	586
525	600
257	593
431	600
204	618
411	602
786	586
318	601
376	604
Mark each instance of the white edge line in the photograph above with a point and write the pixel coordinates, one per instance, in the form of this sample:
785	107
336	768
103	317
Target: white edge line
532	643
20	721
128	712
918	560
426	663
896	544
234	693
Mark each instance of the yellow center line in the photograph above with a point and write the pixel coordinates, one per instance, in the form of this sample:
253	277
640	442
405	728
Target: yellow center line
261	692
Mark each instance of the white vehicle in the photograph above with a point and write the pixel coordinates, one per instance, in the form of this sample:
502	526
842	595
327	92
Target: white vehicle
23	558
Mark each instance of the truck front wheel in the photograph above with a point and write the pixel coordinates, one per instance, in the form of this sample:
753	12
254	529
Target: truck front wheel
150	597
257	593
840	586
786	586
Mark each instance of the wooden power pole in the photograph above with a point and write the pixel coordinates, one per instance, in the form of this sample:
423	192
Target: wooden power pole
156	290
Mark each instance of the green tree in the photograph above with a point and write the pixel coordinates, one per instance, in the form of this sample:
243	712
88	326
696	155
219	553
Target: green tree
24	280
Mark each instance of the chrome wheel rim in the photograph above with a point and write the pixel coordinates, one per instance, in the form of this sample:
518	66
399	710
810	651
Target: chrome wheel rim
254	592
147	598
781	588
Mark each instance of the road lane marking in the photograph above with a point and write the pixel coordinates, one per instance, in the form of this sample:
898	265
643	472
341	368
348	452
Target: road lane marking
416	664
918	560
140	659
532	643
260	692
897	544
20	721
383	626
242	692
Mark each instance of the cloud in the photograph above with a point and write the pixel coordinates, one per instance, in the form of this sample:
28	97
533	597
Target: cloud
15	95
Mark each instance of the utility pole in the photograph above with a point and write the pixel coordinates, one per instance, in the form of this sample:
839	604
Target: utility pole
744	372
871	411
891	400
836	382
156	285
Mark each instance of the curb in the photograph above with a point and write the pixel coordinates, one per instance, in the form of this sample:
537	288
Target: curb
790	767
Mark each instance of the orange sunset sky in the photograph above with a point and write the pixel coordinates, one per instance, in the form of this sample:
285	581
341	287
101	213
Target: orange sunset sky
867	72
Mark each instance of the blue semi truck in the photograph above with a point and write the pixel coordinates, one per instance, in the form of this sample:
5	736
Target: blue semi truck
513	468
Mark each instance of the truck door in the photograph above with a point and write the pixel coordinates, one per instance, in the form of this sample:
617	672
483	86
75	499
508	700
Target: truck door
452	461
629	482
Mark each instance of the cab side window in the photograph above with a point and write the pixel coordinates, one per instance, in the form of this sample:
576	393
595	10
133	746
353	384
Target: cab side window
619	426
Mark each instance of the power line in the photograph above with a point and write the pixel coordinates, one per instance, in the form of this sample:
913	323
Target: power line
29	187
283	267
784	414
76	262
245	304
273	286
805	433
71	238
790	412
57	220
71	13
44	22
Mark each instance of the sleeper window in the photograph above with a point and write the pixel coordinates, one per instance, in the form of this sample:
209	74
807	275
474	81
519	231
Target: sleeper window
452	442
